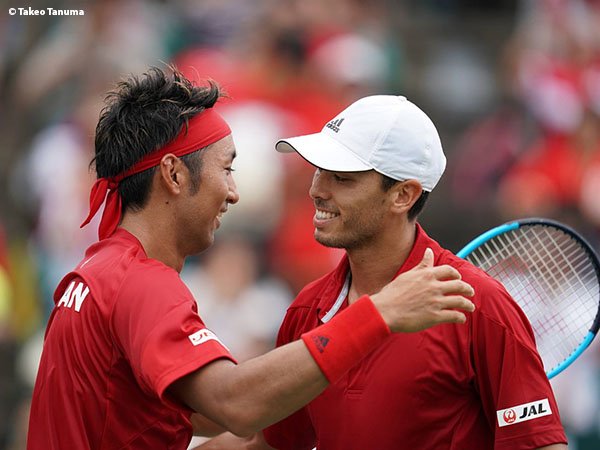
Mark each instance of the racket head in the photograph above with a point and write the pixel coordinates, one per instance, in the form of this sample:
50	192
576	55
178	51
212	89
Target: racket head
553	273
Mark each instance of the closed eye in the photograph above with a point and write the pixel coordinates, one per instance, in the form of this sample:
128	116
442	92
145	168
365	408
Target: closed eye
339	178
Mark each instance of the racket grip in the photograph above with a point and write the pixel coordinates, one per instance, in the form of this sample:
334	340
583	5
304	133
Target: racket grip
347	338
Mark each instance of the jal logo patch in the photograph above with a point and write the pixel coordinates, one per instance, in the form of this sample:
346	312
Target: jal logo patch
524	412
509	416
202	336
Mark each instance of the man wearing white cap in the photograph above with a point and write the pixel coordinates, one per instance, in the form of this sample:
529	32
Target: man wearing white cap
476	387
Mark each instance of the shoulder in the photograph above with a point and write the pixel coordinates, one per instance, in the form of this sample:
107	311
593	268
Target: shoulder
127	265
154	279
494	304
491	297
484	284
119	273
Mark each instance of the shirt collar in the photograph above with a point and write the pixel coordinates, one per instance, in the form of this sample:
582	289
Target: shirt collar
335	283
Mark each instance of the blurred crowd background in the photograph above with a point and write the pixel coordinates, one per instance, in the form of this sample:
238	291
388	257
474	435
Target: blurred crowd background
513	86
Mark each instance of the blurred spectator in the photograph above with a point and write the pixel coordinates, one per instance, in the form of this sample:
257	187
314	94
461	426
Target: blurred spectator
6	295
240	304
62	151
114	36
9	389
458	80
485	152
547	181
212	23
556	52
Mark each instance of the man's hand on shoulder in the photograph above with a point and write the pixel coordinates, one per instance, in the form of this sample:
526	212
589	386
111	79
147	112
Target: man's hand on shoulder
424	296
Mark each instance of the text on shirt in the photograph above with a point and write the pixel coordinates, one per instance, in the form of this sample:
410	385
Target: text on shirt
524	412
74	296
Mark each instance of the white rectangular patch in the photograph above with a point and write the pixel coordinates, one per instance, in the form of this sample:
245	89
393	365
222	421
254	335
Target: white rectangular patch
524	412
202	336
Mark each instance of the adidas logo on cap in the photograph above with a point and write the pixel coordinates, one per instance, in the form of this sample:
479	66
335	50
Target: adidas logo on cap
335	124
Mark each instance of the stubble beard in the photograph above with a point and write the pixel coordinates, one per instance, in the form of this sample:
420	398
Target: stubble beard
357	234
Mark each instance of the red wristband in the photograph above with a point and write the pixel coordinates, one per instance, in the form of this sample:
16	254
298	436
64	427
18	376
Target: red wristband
342	342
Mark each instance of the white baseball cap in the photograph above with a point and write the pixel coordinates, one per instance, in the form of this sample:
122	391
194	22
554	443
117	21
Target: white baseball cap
386	133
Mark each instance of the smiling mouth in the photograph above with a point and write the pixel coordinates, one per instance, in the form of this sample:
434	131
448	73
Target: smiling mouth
220	216
325	215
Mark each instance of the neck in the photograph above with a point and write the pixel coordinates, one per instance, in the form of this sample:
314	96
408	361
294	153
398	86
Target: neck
156	234
375	265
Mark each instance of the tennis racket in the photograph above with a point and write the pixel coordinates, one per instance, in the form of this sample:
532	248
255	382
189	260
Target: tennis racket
554	276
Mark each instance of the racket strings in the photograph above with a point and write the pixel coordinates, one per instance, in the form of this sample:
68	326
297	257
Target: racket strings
553	280
564	262
559	286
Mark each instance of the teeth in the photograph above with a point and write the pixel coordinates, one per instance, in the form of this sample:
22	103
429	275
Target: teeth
324	215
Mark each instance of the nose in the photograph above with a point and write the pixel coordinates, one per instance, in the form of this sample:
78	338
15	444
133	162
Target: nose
318	186
232	195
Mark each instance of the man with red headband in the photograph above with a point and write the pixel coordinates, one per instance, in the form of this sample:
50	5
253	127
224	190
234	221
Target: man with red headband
127	360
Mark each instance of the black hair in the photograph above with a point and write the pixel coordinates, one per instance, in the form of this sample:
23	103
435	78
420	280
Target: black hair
417	207
141	115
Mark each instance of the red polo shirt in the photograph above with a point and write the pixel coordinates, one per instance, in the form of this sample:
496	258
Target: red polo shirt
448	387
123	329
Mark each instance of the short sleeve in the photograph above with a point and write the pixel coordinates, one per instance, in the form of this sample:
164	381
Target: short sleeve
156	324
515	392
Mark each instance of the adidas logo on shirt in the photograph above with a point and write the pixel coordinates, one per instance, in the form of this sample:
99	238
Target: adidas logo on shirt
320	342
335	125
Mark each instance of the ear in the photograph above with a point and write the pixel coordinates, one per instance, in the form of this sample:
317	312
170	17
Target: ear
404	195
172	173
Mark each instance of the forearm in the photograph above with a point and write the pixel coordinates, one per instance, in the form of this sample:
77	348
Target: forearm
247	398
203	426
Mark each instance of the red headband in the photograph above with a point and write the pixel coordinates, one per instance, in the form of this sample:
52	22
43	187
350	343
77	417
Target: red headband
203	129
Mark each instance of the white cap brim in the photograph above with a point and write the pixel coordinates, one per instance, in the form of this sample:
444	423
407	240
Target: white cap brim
323	152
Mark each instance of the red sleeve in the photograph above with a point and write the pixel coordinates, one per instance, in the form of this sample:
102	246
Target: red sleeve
515	392
296	431
156	323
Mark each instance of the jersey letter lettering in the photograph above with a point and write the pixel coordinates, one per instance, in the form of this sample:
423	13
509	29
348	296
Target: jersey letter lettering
74	296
